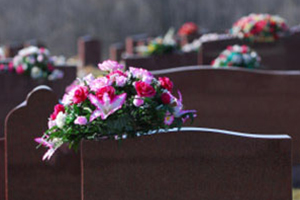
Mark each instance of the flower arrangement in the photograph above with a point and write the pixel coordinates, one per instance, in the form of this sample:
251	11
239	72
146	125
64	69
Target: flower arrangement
35	62
259	27
239	56
160	45
122	104
188	28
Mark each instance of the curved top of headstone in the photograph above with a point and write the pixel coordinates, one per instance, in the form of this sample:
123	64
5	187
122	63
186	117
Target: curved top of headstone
230	133
26	173
233	69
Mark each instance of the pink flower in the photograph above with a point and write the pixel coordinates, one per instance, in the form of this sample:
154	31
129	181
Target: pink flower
110	65
121	81
107	89
119	77
20	69
57	109
10	66
138	101
44	142
80	120
99	83
51	123
144	89
88	79
106	106
80	94
169	119
142	74
178	109
53	145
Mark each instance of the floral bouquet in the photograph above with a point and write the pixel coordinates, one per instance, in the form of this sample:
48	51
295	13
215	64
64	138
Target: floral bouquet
189	28
260	27
160	46
239	56
122	104
35	62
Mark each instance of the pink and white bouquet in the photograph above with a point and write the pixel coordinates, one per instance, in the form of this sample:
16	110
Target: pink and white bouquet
122	104
37	63
238	56
260	27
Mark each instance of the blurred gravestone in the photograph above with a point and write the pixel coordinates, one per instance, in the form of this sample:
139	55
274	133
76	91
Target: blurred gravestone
89	50
34	42
134	41
13	48
116	50
161	61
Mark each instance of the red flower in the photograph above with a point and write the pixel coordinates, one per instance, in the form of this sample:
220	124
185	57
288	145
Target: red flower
165	98
188	29
244	49
50	67
166	83
57	108
144	89
260	25
110	90
80	94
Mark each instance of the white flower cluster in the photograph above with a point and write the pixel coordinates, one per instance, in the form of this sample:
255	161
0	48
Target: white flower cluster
196	44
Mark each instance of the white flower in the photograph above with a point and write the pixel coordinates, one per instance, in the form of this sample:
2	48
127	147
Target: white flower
56	74
27	51
36	72
60	119
40	58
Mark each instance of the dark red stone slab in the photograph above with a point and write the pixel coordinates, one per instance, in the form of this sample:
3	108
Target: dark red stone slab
2	166
27	176
162	61
89	50
199	164
14	89
116	50
254	101
279	55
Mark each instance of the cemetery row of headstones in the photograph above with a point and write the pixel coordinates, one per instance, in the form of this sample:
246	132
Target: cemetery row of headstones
221	104
280	54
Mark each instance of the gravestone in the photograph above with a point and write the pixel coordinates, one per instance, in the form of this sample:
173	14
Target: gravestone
12	49
89	50
14	88
161	61
279	55
253	101
116	50
34	42
196	163
133	41
27	176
